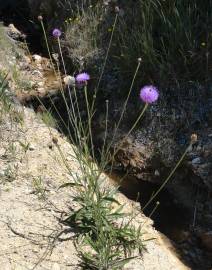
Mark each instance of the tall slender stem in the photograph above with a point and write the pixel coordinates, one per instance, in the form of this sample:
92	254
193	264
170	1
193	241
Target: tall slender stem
168	178
89	120
125	104
73	116
105	62
137	120
47	43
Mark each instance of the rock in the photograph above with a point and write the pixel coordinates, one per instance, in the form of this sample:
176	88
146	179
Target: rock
207	153
196	161
31	147
41	90
27	59
199	148
14	33
37	73
157	173
56	266
40	84
37	58
206	239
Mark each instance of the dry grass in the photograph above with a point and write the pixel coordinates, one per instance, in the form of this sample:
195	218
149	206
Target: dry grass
82	35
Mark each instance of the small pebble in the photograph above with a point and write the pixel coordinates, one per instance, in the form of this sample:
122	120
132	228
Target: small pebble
196	161
56	266
31	147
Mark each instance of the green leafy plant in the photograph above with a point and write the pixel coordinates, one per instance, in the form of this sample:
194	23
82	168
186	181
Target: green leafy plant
99	224
105	240
10	173
39	188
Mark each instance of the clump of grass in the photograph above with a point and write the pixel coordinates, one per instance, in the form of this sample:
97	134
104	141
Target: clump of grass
173	39
48	119
10	173
20	81
38	188
16	115
5	101
11	152
106	240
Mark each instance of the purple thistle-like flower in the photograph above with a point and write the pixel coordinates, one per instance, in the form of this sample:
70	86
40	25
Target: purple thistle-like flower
82	77
149	94
56	33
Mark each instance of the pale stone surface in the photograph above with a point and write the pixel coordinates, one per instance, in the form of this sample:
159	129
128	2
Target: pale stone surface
28	223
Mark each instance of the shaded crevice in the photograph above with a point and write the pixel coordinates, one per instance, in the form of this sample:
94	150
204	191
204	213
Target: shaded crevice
174	218
18	13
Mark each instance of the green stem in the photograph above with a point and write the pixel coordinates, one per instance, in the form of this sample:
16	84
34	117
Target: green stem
138	119
129	93
89	120
105	62
125	105
72	116
103	153
168	178
47	44
111	159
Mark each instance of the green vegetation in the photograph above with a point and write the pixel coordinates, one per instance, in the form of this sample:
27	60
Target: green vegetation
38	188
173	38
99	223
48	119
170	42
105	240
5	103
106	236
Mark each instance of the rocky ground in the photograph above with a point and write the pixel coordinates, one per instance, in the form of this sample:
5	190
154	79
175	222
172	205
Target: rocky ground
31	235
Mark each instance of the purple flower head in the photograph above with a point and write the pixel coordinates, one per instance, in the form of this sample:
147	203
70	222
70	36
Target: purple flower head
149	94
56	33
82	78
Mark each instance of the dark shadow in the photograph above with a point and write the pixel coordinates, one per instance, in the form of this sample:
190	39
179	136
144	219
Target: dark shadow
171	218
17	12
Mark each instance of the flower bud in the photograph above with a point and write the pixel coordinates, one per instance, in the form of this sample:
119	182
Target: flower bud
117	9
193	138
40	18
